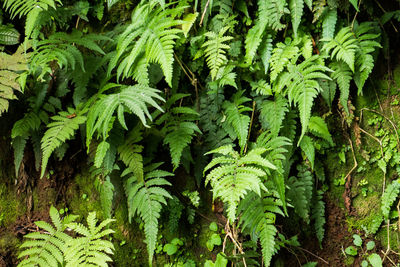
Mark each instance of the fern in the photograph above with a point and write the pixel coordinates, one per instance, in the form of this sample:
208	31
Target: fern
281	56
61	48
29	8
21	130
179	127
300	192
151	34
343	75
105	188
46	248
389	196
130	153
236	175
273	113
89	249
258	215
364	60
215	50
318	127
302	85
8	35
129	98
11	77
307	146
318	214
145	198
296	11
60	130
235	117
273	11
329	24
343	47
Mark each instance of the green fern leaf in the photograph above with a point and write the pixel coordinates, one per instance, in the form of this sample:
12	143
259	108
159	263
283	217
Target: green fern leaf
145	199
329	24
267	239
296	11
272	11
318	214
281	55
300	193
215	50
389	196
343	75
307	146
47	248
130	153
11	69
154	29
266	51
328	90
8	35
236	118
343	47
106	193
130	98
179	138
89	249
60	130
318	127
273	113
231	181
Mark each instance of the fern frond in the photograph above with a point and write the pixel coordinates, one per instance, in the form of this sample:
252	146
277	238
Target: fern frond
145	198
273	113
281	55
90	249
46	248
133	99
258	215
343	75
318	214
130	153
236	175
300	192
318	127
215	50
151	34
235	117
367	45
303	87
389	196
329	24
178	138
11	69
60	130
343	47
8	35
296	11
272	11
307	146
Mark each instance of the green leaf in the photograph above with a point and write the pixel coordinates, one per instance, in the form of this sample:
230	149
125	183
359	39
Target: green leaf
375	260
370	245
307	146
189	20
355	4
352	251
296	11
357	240
170	249
213	226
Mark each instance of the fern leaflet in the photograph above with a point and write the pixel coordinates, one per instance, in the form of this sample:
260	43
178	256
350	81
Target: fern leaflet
60	130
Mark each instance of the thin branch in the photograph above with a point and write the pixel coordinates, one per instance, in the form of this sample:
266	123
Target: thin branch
204	12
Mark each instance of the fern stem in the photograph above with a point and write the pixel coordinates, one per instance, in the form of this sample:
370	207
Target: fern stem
204	12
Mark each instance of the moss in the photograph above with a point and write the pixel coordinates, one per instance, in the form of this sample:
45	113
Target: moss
9	243
11	206
393	236
82	197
